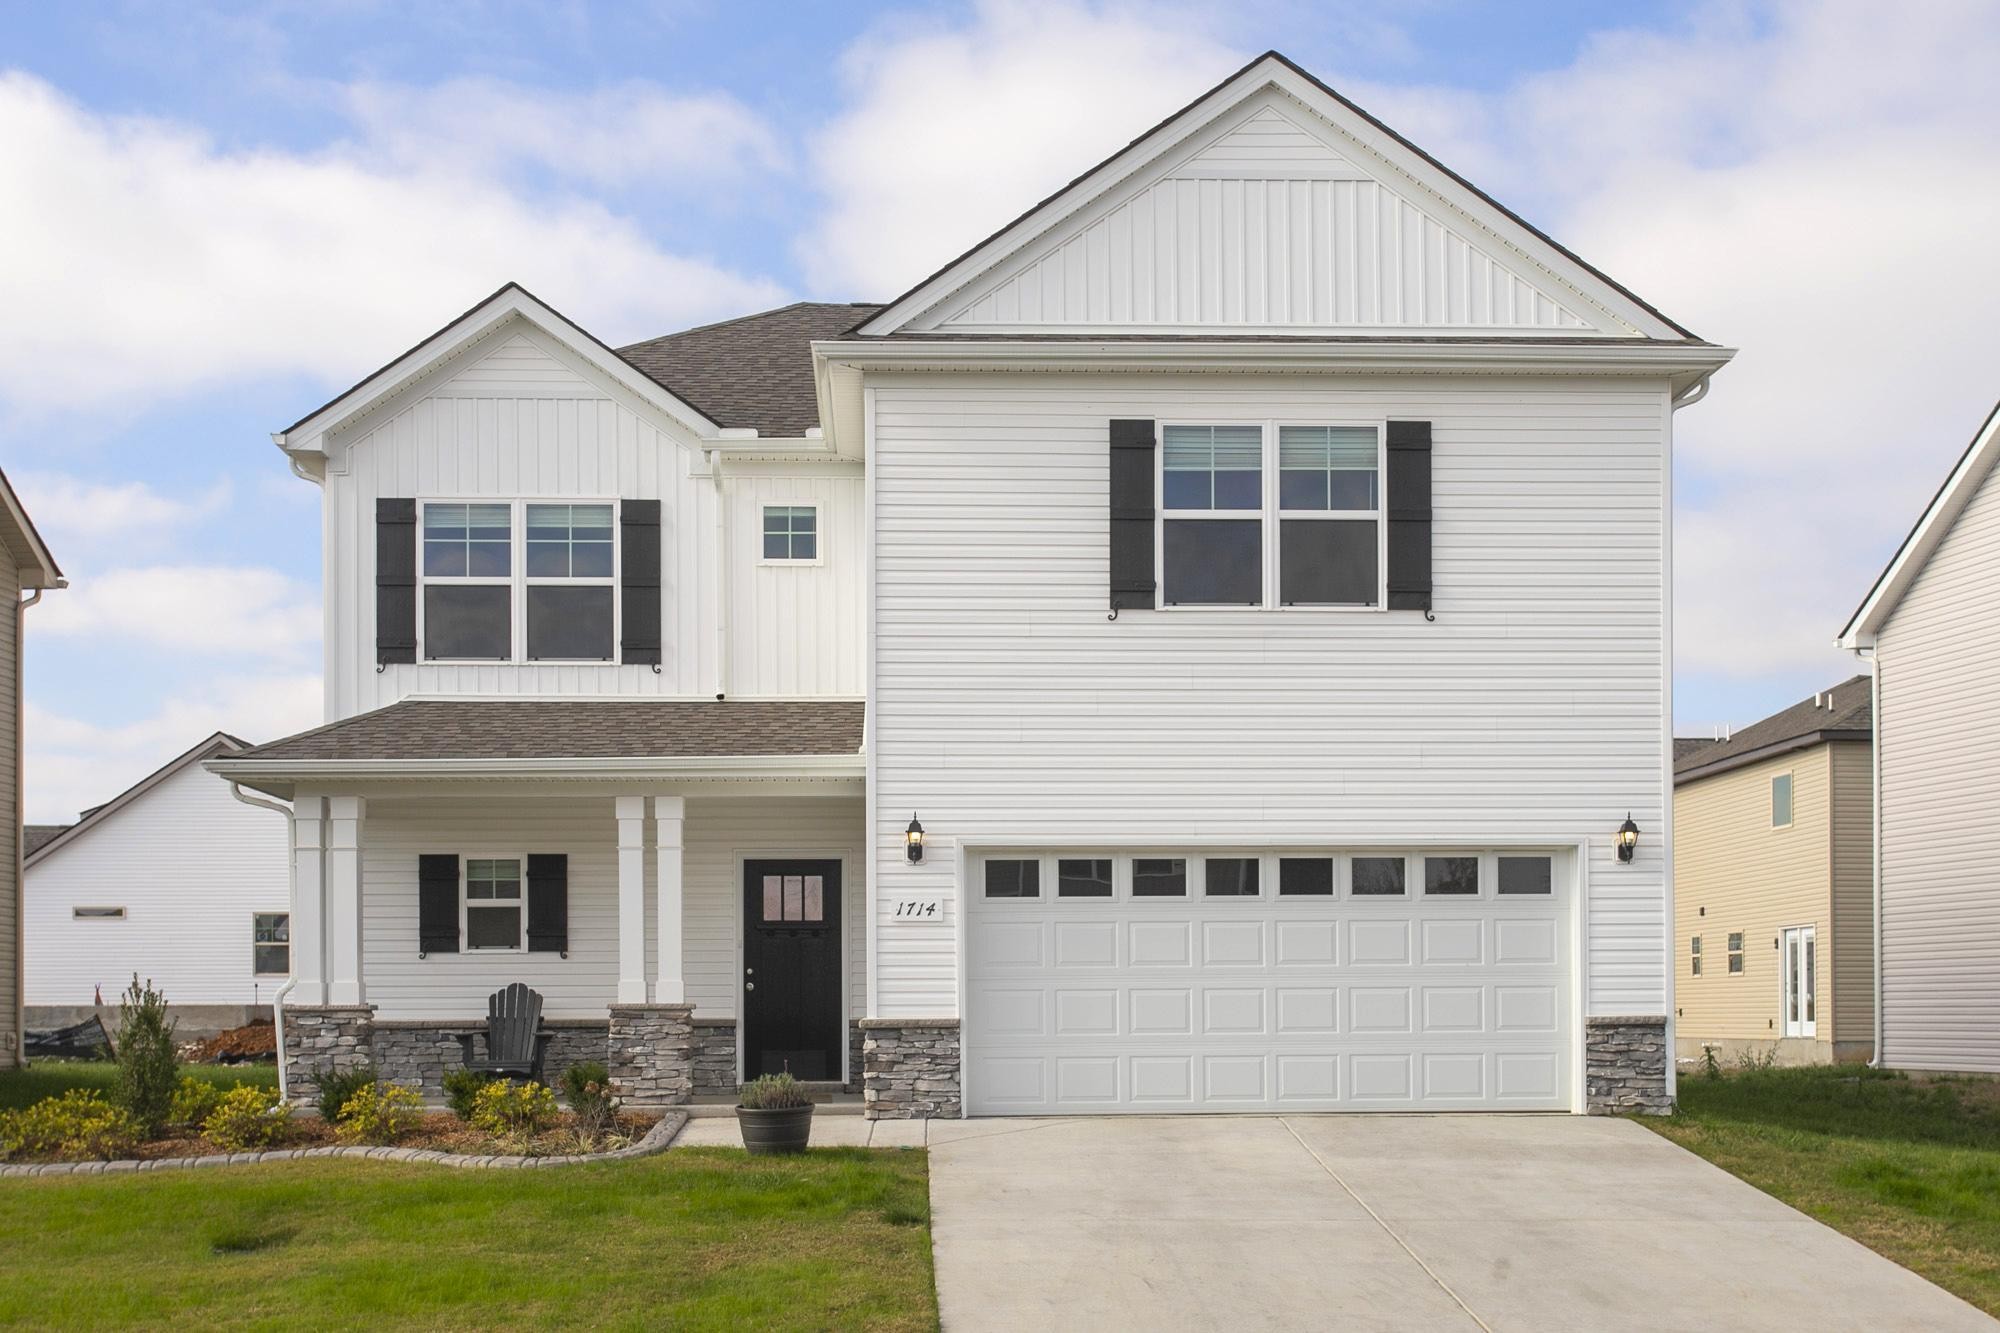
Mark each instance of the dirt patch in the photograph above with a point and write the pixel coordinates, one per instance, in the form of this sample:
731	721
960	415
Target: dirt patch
251	1042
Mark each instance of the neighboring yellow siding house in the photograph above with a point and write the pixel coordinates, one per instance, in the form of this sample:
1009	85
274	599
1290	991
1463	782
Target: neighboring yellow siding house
1773	885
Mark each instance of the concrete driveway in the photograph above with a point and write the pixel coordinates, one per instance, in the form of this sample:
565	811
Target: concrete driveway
1383	1222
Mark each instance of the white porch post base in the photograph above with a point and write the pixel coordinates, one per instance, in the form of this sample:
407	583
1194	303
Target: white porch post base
308	922
631	812
343	890
669	813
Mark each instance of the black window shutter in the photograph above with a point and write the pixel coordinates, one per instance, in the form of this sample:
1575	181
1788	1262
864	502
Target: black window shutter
437	904
395	581
548	903
1409	495
639	581
1133	578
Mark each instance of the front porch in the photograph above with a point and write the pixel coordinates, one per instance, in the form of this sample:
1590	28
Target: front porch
639	896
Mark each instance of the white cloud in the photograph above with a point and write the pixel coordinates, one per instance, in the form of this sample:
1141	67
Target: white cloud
195	611
73	763
950	132
620	135
144	261
82	518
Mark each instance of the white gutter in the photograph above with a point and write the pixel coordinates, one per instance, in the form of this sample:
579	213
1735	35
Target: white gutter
278	998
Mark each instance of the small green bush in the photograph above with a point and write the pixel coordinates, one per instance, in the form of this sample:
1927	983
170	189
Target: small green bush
510	1108
338	1086
587	1089
378	1114
246	1119
773	1092
79	1125
148	1069
193	1100
461	1088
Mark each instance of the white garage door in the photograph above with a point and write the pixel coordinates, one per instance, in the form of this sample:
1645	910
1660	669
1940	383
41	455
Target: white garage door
1210	982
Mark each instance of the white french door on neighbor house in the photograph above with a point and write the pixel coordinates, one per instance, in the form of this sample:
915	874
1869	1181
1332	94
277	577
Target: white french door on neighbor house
1800	970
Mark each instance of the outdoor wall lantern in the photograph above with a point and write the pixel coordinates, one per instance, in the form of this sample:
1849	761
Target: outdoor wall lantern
1628	838
913	840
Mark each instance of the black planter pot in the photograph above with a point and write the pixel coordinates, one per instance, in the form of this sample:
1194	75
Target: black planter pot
785	1129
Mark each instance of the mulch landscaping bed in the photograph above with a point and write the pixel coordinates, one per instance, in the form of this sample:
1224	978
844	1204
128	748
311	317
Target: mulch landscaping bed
440	1131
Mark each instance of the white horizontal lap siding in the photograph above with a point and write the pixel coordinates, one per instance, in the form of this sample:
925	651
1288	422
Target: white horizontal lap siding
1939	728
1008	706
523	422
795	628
714	833
10	740
191	865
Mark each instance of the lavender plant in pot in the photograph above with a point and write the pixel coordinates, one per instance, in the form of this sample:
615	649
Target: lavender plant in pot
775	1114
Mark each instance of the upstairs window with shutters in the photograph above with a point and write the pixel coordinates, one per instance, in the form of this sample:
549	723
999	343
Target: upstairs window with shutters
570	583
518	581
468	578
1273	514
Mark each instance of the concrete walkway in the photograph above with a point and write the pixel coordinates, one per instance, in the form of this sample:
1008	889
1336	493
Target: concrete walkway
1382	1222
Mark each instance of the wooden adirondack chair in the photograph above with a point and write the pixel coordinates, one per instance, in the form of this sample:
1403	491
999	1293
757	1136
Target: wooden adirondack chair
516	1041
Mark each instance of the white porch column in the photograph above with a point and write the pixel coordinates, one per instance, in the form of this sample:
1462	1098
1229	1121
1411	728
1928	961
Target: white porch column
343	900
631	812
308	901
669	812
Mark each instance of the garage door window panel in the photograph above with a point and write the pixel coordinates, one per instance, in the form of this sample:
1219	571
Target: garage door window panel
1305	877
1084	877
1379	877
1529	875
1159	877
1451	876
1013	879
1230	877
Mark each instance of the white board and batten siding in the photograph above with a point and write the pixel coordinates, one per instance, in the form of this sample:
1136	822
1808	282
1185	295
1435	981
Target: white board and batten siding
1009	709
191	865
526	418
1938	657
717	834
1273	221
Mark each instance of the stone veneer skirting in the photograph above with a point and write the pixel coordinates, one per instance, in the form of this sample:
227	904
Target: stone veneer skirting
652	1048
715	1057
1625	1065
910	1068
419	1053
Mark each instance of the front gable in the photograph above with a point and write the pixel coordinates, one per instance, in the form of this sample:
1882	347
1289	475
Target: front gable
1273	206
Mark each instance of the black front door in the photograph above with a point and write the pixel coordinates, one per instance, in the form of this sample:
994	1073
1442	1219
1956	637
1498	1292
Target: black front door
791	969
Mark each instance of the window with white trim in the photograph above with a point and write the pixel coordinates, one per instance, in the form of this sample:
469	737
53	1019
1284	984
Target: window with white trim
1271	514
558	603
468	577
1781	800
97	913
492	903
271	944
791	534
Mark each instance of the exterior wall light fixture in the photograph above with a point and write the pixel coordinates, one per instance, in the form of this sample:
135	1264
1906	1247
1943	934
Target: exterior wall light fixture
913	840
1628	838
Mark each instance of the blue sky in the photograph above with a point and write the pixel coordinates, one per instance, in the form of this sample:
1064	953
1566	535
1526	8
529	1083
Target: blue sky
220	215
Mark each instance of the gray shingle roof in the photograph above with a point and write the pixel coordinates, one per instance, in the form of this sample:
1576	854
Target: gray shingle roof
579	729
1808	722
1687	745
755	371
36	836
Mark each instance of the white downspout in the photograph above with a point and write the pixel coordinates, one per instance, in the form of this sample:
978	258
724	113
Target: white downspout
278	997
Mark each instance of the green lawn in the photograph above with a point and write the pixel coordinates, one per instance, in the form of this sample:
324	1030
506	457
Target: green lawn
48	1078
1908	1166
695	1238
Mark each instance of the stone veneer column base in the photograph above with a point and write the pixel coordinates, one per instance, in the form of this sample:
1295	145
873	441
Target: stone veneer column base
1625	1066
651	1052
324	1037
910	1068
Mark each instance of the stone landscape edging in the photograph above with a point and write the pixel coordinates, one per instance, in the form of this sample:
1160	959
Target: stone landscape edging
655	1140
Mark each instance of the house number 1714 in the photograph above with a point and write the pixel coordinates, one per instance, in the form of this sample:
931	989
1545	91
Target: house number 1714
906	909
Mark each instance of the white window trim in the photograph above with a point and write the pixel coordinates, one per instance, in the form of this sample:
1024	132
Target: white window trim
819	533
518	581
255	945
464	903
1791	799
1271	515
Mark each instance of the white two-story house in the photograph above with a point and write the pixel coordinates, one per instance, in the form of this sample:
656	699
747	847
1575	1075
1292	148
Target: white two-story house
1204	649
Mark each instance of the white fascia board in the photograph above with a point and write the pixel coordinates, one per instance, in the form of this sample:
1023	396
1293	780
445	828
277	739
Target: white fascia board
466	332
687	768
44	573
1683	362
1395	153
1960	484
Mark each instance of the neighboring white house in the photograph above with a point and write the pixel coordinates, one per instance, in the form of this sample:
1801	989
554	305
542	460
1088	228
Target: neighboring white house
175	881
1249	570
1931	628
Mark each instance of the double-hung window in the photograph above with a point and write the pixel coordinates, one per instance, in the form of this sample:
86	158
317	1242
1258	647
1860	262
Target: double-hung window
1272	514
271	943
493	915
469	582
553	601
569	583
